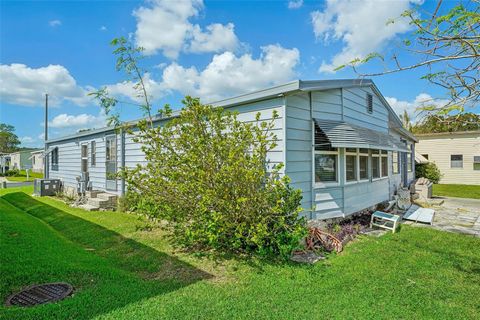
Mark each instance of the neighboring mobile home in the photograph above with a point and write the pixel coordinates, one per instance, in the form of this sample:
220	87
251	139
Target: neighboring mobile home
36	158
20	160
457	155
340	141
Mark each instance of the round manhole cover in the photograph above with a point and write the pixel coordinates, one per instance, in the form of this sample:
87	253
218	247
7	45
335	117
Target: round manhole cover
38	294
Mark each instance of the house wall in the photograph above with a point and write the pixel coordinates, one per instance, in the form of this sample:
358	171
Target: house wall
19	160
37	161
69	157
334	199
439	149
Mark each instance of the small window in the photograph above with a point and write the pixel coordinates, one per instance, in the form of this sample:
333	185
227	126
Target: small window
375	164
84	161
93	153
395	163
425	156
351	164
369	103
325	167
54	159
456	161
476	163
363	164
384	165
410	158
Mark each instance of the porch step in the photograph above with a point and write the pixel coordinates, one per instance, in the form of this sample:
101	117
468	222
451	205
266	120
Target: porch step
89	207
107	196
99	203
93	193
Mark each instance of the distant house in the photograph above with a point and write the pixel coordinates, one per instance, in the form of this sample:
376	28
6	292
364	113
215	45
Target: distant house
36	158
20	160
342	145
457	155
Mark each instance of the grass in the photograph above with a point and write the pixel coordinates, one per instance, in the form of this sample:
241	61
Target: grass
22	177
121	271
457	190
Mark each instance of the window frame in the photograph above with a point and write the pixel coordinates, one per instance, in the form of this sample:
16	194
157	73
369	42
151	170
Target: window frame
376	156
84	157
356	165
54	159
451	161
367	155
395	168
410	158
383	155
476	161
321	184
93	153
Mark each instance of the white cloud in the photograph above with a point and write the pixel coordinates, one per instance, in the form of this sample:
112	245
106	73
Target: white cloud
164	26
27	139
125	89
55	23
295	4
80	121
22	85
228	74
103	28
421	100
360	25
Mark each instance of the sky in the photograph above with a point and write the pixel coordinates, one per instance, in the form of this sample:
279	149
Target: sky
206	49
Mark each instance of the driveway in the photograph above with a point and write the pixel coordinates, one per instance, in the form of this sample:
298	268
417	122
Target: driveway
458	215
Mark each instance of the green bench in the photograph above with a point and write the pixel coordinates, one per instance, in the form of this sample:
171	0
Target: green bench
384	220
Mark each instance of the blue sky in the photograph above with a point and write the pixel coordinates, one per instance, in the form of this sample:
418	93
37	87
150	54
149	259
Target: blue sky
211	49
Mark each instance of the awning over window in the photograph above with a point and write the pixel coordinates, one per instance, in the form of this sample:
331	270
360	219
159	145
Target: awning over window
45	153
340	134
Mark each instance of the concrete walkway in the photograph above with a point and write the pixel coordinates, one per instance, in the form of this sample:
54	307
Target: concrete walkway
457	215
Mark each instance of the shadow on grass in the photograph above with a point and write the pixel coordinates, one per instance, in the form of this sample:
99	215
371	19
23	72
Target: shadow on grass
134	271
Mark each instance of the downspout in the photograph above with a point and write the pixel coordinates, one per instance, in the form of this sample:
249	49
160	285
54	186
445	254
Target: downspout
341	160
45	159
312	185
122	160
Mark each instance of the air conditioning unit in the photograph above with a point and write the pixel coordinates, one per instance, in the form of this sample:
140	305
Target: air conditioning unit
46	187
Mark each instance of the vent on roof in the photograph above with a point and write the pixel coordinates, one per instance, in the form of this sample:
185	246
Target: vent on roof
369	103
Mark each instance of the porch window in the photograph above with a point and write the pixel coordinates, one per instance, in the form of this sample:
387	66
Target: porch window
351	164
410	158
476	162
375	164
384	162
326	165
363	164
84	162
93	153
395	163
456	161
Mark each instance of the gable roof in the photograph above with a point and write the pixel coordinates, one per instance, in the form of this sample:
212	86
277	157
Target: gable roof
277	91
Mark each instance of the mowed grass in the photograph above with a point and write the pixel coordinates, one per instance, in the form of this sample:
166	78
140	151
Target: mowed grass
457	190
122	271
22	177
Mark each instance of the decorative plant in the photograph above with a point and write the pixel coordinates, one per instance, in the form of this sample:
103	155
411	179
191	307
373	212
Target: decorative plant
428	170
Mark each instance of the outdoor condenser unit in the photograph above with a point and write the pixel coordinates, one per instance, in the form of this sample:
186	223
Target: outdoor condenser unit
46	187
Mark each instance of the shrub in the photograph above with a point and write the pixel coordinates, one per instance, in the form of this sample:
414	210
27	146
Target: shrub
207	176
428	170
12	173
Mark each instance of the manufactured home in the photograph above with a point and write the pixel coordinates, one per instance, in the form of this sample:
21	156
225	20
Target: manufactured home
36	158
20	160
340	141
456	154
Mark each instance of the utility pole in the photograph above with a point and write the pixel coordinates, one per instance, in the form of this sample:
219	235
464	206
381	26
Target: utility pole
45	159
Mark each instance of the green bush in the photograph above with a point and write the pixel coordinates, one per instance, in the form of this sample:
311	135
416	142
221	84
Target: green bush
12	173
208	178
428	170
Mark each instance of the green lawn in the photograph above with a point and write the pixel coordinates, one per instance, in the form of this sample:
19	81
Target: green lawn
22	177
122	271
457	190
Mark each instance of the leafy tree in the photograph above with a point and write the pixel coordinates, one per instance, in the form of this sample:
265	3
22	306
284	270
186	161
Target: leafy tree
405	118
9	141
446	45
207	174
434	123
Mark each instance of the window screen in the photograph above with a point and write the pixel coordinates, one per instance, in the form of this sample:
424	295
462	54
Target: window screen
456	161
476	163
325	167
